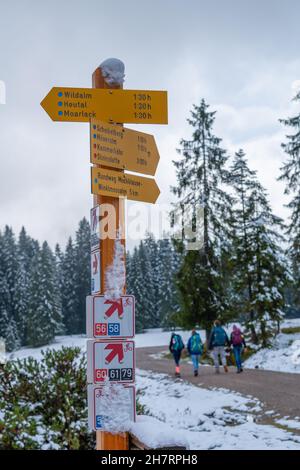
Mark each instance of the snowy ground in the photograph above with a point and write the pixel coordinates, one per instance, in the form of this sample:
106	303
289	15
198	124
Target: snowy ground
284	356
205	419
154	337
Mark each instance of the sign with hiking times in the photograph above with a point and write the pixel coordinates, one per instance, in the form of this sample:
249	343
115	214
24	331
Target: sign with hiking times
105	403
110	318
113	361
119	147
95	272
95	228
108	105
119	184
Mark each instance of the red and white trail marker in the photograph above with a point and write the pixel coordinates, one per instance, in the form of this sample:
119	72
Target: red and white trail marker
110	318
95	272
95	229
104	410
113	361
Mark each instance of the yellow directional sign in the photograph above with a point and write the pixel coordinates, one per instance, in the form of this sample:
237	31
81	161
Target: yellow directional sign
82	104
119	184
117	147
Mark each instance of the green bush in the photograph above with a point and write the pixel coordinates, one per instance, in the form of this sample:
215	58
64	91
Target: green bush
43	403
291	330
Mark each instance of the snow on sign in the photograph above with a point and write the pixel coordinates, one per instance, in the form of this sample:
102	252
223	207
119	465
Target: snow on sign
110	318
95	272
111	408
113	361
95	229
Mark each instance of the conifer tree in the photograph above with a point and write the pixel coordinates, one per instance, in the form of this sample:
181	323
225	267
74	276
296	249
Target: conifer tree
82	272
259	266
26	250
44	315
200	175
68	289
290	174
168	263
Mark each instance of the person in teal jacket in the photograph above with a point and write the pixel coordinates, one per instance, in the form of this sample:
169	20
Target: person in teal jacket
195	349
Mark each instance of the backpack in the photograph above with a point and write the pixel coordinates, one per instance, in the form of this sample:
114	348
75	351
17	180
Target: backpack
177	343
220	337
236	338
196	346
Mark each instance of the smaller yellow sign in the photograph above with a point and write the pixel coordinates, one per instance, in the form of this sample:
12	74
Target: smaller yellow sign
119	184
117	147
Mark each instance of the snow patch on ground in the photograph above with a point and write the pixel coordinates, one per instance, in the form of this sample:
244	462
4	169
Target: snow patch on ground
156	434
209	419
284	356
289	423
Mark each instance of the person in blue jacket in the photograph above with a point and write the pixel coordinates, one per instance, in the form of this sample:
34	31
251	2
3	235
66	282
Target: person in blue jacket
195	349
217	341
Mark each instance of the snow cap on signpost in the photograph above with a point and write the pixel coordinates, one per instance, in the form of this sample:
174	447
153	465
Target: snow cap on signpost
113	71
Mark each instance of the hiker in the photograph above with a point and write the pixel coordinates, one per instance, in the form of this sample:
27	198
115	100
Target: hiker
217	341
176	346
195	349
238	342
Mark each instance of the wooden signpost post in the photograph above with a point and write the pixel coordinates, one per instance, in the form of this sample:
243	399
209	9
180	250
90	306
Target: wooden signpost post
113	149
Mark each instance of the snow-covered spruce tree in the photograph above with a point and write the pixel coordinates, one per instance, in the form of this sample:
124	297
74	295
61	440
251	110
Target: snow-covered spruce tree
244	182
140	284
44	316
259	267
9	267
68	289
8	276
82	271
271	266
290	174
200	177
151	248
168	263
26	250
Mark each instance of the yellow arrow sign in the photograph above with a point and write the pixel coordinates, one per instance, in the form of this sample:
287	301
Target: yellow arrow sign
119	184
117	147
82	104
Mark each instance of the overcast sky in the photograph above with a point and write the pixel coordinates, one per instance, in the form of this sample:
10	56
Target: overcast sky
242	56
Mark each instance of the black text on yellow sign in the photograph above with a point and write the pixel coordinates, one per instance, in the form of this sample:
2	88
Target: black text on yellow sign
118	184
120	106
117	147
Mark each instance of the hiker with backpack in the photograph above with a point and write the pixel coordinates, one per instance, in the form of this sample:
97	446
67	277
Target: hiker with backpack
217	341
195	349
176	346
238	342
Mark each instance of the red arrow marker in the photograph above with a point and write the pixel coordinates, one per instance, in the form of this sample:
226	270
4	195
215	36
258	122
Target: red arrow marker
115	350
95	265
115	305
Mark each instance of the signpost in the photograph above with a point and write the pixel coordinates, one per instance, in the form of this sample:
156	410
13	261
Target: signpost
84	104
98	411
110	360
116	184
117	147
109	319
